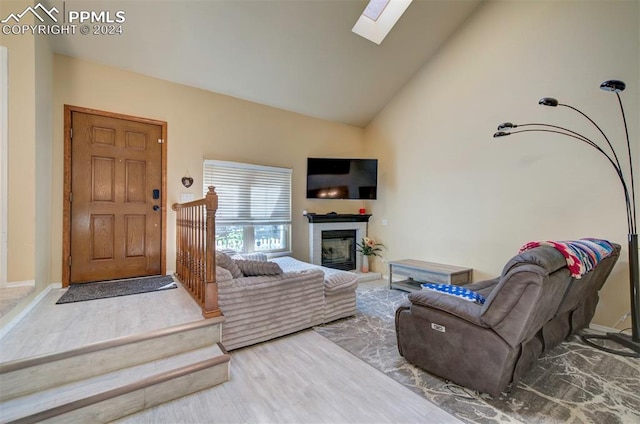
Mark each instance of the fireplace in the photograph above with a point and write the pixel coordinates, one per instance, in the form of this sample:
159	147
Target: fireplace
356	225
339	249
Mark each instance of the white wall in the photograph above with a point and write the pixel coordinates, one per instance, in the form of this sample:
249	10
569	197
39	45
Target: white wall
453	194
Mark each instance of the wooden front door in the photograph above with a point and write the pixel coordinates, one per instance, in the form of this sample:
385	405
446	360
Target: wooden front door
115	197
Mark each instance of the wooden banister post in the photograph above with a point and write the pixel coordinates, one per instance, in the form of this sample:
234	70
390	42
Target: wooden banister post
196	251
211	286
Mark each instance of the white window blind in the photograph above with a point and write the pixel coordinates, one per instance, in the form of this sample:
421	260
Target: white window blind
249	194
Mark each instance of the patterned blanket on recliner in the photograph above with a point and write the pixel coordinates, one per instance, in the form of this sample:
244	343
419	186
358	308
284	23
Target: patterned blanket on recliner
581	255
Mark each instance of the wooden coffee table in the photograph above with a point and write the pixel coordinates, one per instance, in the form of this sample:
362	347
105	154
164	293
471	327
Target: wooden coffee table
418	272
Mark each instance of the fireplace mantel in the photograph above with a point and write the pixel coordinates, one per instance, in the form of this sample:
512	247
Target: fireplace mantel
337	217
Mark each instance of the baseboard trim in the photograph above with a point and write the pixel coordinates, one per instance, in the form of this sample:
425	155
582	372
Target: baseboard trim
9	326
18	283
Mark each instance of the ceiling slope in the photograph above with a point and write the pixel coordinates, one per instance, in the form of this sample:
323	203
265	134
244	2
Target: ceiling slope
297	55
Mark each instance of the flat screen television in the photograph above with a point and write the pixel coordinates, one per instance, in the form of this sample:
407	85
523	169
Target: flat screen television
342	178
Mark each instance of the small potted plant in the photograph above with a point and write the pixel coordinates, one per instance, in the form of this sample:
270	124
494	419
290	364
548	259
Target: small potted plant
368	247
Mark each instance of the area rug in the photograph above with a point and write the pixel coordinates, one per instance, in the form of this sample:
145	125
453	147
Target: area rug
91	291
573	383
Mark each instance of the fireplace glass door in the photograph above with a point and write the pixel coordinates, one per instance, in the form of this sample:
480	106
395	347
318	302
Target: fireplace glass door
339	249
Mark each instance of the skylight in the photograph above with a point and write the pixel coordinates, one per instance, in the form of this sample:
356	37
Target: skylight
374	9
378	18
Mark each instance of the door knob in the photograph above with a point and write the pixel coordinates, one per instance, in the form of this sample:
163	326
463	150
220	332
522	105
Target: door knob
156	207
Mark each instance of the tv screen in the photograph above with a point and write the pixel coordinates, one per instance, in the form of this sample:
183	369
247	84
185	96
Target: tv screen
342	178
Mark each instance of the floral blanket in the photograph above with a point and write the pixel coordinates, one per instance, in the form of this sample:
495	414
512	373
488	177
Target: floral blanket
581	255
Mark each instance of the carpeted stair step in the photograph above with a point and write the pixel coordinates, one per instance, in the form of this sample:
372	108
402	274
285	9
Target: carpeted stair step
115	394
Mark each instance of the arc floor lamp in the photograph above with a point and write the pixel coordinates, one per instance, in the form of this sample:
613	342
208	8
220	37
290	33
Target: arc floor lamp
632	343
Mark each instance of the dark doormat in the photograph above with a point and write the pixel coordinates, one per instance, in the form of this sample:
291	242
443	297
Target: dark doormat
101	290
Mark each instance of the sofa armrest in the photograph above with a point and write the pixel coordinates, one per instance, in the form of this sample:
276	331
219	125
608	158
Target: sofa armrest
464	309
223	274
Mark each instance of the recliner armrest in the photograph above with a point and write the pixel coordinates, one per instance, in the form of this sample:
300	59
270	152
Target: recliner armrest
466	310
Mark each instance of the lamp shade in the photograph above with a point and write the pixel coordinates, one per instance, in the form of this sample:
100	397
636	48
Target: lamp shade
548	101
613	85
506	126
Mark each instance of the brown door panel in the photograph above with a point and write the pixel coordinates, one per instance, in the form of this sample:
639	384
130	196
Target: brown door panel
116	166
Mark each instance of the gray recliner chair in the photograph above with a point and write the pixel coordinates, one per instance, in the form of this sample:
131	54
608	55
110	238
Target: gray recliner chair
532	307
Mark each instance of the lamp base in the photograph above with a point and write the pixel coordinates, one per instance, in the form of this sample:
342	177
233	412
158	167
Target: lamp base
624	340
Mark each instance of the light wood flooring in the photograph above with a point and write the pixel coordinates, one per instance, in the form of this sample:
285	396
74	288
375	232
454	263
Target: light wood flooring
301	378
53	328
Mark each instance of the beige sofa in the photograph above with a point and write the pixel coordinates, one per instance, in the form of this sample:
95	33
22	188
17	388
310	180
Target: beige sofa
263	307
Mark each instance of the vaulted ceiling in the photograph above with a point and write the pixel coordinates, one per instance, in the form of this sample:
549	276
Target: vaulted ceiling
297	55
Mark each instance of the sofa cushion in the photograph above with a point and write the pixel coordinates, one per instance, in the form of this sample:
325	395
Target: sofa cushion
457	291
223	260
335	280
231	253
223	274
254	256
254	268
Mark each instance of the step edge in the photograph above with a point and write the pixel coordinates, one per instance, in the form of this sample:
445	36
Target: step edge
205	336
123	390
19	364
54	396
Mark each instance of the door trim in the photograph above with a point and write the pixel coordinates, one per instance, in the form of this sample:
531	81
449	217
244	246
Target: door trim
66	204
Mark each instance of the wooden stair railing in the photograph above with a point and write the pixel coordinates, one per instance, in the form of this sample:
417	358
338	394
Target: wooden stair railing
195	251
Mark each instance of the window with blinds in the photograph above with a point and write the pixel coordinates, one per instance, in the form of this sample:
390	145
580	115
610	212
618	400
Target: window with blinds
254	206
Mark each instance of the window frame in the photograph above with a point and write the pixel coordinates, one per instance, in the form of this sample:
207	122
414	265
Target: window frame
249	189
